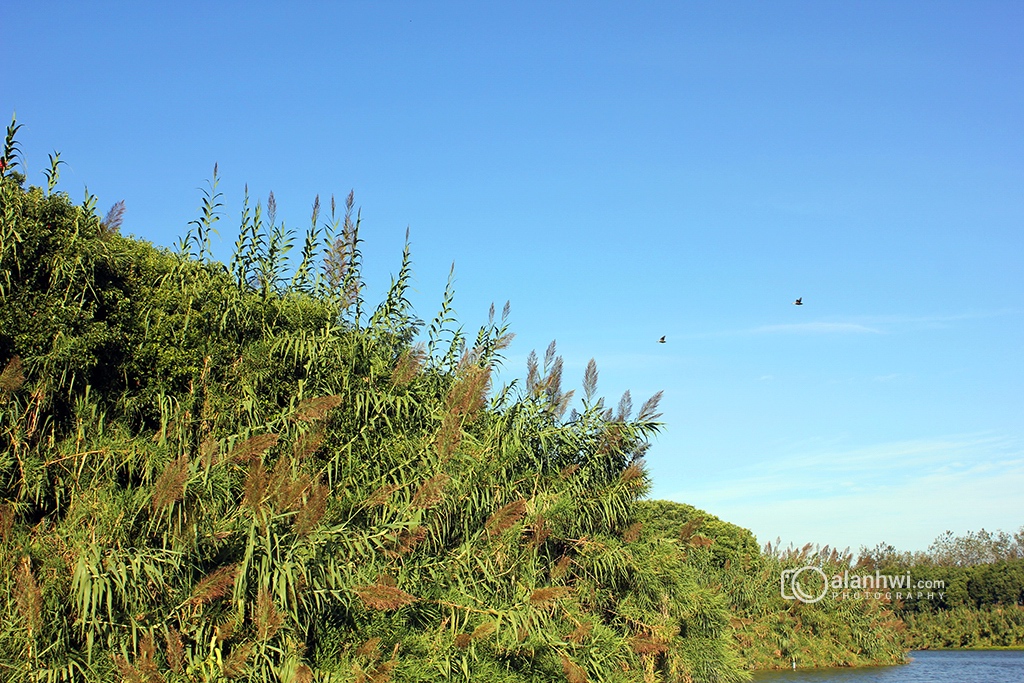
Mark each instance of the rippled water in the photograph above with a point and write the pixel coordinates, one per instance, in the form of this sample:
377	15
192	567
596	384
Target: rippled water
990	666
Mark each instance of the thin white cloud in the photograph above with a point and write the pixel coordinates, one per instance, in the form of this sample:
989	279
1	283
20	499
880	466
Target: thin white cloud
815	328
903	492
858	324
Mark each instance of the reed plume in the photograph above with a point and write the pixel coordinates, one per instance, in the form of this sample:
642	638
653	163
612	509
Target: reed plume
214	586
235	663
311	409
13	375
544	596
313	511
633	532
383	597
268	619
170	485
505	517
561	567
251	447
574	673
175	651
408	365
28	596
430	492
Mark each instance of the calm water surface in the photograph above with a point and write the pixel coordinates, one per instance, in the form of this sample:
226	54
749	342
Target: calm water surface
1004	666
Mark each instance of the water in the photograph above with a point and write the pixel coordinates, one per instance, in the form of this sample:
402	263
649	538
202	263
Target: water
962	666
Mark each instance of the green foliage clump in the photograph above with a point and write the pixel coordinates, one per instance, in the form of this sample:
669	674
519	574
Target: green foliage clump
769	631
225	472
975	597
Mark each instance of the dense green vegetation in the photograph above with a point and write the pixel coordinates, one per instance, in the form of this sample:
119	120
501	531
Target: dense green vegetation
245	471
241	471
769	631
981	602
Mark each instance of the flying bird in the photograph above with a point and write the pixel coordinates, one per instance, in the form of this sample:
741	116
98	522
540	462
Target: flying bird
662	340
799	302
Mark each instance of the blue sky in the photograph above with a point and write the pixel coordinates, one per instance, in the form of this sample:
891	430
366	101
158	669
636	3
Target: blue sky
622	171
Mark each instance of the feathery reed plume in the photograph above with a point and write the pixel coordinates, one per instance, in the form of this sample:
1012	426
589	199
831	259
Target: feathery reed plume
545	596
687	529
225	629
407	539
310	409
647	645
430	492
632	472
6	521
251	447
569	471
268	619
611	439
383	597
699	541
13	375
580	633
465	399
633	532
144	670
532	373
208	451
574	673
286	491
625	407
28	596
313	511
505	517
370	649
408	365
112	223
175	651
590	380
561	567
307	444
649	408
539	532
235	663
215	585
483	630
381	496
255	487
170	485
